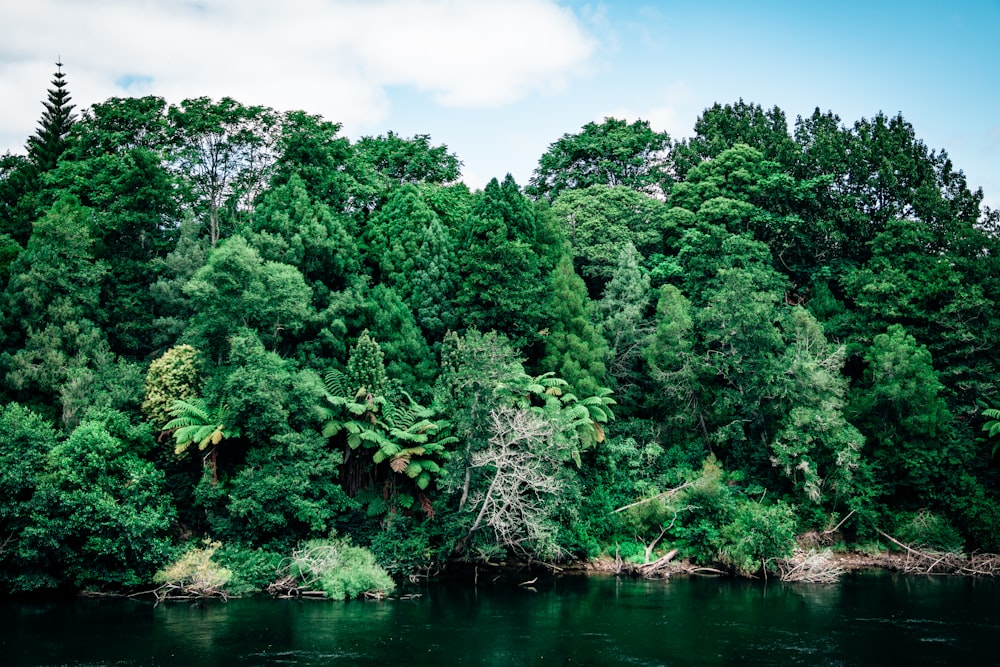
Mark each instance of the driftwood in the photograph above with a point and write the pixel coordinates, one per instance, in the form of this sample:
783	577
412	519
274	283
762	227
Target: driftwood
815	567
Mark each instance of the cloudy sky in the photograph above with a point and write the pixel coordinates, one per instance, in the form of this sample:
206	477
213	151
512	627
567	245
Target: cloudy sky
498	81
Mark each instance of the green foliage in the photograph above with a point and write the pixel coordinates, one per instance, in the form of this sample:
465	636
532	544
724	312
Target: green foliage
824	327
574	347
102	514
503	284
928	531
26	439
757	536
404	549
338	568
194	572
238	289
906	419
172	377
601	221
613	152
49	142
194	423
252	570
52	303
285	492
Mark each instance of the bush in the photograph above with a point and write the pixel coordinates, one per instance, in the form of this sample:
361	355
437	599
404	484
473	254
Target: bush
339	569
757	535
403	549
252	569
195	573
926	530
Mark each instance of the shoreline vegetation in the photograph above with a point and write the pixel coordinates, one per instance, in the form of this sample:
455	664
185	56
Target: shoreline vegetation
240	352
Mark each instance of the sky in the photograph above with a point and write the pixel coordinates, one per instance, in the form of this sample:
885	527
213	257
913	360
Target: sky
498	81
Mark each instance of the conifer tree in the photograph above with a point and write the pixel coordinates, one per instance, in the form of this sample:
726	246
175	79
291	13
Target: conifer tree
21	201
435	283
50	140
574	348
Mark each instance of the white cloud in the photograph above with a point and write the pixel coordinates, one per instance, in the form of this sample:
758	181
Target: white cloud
332	57
670	113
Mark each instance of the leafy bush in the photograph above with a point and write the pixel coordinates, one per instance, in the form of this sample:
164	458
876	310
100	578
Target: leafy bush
402	548
757	535
927	530
338	568
195	573
252	569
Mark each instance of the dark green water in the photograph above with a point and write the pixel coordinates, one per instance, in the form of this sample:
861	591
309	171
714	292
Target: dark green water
866	620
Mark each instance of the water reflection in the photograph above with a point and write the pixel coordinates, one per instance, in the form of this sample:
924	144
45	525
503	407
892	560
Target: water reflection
867	620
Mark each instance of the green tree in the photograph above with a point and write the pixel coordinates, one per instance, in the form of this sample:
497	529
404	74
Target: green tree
575	350
290	226
173	376
613	152
25	441
435	283
404	439
624	323
502	281
49	142
238	289
52	303
910	429
225	151
116	168
102	514
600	221
721	127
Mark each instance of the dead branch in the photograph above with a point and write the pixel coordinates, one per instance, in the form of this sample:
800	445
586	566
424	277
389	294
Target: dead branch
665	494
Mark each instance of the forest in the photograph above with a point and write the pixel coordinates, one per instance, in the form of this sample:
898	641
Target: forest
240	350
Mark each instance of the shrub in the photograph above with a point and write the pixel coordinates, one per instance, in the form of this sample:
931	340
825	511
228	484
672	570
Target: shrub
338	568
927	530
252	569
757	535
195	573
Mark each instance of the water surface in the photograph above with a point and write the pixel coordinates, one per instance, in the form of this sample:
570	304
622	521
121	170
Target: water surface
865	620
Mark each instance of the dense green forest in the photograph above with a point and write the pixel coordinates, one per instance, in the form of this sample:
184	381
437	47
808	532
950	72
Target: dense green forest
232	337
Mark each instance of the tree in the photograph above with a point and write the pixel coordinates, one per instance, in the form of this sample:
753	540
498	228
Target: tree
406	440
225	151
721	127
21	184
502	276
815	447
50	139
575	350
435	282
621	316
400	160
393	236
236	288
102	514
613	152
25	441
52	303
173	376
292	227
308	147
517	434
116	168
600	221
900	409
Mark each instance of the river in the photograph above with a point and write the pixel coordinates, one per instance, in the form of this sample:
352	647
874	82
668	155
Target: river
867	619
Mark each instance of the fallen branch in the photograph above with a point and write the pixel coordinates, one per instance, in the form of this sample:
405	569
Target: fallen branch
664	494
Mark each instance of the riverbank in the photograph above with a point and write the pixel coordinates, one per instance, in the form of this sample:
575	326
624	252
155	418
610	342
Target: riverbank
820	565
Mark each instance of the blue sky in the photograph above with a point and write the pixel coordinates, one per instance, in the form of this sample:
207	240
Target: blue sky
500	81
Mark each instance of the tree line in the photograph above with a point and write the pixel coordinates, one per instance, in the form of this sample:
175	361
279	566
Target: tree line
223	322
